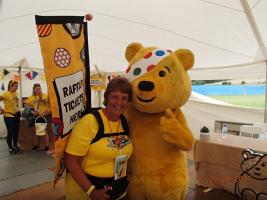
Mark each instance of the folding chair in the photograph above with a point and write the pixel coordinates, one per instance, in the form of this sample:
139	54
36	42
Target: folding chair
251	131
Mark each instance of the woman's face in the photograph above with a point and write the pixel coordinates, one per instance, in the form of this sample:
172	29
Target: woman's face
117	102
37	90
13	88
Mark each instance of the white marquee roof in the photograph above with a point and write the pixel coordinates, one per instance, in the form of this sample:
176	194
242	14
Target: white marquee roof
223	34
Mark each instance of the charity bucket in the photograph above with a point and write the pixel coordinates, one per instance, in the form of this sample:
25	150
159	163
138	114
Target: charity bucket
40	126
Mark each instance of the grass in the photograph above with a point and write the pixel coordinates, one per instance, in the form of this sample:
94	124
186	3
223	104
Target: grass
257	101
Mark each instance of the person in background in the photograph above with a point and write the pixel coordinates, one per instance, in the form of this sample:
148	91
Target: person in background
39	102
90	159
11	116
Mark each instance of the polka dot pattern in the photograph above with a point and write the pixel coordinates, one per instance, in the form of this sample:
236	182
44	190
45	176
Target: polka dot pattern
128	69
146	64
62	57
148	55
150	67
159	53
137	71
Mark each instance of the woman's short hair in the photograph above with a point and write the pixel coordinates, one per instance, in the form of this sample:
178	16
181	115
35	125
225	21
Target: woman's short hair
11	83
35	85
118	84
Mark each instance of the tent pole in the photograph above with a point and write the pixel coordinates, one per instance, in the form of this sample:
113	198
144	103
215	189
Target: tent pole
259	40
20	88
98	91
265	105
254	27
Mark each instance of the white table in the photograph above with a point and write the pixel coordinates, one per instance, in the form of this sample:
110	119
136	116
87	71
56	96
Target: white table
218	161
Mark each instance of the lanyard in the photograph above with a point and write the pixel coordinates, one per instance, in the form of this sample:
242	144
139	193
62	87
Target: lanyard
118	125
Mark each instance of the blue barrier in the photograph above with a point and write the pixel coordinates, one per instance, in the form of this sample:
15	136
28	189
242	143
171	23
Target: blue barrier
229	89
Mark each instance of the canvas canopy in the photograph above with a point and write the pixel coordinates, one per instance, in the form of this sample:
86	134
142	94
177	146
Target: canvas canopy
228	37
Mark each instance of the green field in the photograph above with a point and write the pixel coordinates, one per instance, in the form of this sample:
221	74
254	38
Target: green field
257	101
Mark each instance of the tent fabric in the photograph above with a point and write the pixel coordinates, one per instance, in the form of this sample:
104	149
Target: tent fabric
202	113
224	35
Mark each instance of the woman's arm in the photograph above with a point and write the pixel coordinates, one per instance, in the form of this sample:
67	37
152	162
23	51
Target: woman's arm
73	164
1	109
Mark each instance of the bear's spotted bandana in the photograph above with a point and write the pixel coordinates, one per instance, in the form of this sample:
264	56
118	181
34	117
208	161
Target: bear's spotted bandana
147	63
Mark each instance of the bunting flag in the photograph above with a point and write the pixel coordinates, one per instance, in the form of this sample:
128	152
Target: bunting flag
3	87
29	75
6	72
34	74
64	47
16	77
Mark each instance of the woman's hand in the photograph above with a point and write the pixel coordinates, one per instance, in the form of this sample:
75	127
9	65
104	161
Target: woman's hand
43	114
100	194
35	112
41	99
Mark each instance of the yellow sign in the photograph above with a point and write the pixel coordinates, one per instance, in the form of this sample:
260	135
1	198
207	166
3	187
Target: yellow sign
97	82
64	49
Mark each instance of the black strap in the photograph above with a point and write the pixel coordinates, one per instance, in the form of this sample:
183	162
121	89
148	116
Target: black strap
38	104
100	133
124	125
13	114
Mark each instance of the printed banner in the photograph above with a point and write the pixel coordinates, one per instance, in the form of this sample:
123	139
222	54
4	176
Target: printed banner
64	46
98	82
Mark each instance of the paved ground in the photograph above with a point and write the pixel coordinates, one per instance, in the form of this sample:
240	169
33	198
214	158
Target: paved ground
29	176
18	172
44	191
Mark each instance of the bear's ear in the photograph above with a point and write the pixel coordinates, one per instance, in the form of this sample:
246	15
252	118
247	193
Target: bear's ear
186	57
247	155
131	50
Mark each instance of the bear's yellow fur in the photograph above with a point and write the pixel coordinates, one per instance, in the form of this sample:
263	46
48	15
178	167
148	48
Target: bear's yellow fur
158	167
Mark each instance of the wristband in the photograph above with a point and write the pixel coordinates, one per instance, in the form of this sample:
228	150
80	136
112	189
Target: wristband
89	191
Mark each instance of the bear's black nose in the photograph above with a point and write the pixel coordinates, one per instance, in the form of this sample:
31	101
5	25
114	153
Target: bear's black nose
146	86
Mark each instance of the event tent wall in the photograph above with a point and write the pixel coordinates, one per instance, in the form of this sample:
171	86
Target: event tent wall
201	113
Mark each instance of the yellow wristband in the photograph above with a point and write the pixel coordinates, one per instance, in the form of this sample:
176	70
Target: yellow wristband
89	191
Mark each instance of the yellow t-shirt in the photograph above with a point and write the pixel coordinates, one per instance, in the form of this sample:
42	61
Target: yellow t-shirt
99	157
34	101
11	103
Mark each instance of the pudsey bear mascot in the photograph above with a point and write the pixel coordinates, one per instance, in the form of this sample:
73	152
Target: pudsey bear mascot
160	134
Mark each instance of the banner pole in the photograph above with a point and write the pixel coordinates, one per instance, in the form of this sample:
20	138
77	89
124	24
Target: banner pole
20	88
265	105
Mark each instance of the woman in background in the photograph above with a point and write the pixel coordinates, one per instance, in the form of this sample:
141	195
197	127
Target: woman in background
11	116
39	101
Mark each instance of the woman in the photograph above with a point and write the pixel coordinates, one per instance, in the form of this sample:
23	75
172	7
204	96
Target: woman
39	101
11	116
92	160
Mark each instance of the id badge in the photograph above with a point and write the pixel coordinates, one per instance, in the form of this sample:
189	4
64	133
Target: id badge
120	166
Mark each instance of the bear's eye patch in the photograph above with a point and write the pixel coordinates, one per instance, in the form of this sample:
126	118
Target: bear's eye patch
162	73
